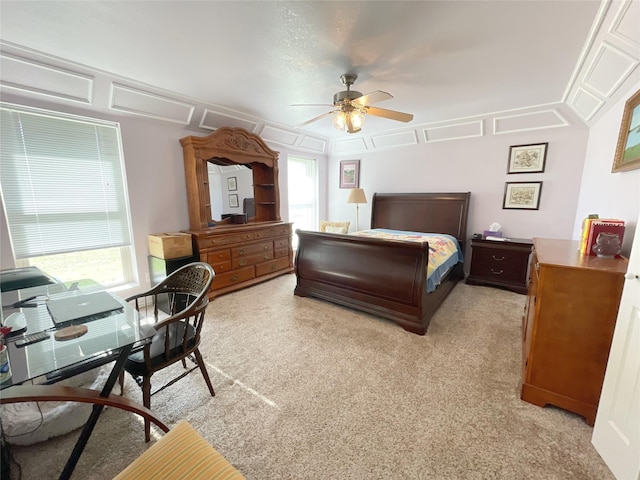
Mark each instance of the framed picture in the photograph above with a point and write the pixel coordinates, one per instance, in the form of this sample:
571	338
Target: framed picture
233	200
349	173
627	155
232	184
522	195
527	158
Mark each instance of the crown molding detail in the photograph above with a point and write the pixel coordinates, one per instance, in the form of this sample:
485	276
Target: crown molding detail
25	75
609	60
138	102
455	131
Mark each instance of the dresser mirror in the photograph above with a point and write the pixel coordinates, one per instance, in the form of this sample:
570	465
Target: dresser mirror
230	190
246	153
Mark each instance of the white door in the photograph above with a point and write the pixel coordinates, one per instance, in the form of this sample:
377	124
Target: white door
616	434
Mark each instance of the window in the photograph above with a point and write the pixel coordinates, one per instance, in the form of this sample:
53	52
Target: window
303	194
63	188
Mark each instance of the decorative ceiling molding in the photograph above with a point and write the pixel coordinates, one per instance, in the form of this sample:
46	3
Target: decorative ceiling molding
279	136
212	120
455	131
25	75
393	140
611	60
609	68
526	122
150	105
586	104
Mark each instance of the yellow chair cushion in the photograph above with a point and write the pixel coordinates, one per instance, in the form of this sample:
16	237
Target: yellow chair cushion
334	227
181	454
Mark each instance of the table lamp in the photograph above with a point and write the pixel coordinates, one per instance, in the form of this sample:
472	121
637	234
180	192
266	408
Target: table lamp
357	196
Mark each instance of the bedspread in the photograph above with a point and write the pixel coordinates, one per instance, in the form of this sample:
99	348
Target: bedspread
444	250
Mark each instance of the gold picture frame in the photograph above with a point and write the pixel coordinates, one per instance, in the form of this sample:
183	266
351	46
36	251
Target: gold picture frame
627	155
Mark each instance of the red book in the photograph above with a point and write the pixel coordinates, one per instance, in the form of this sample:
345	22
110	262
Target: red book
607	225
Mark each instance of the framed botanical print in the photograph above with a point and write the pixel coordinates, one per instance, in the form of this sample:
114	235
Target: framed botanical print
527	158
522	195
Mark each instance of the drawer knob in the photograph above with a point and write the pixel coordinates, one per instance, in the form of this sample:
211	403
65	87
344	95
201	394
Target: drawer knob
496	272
240	252
267	257
499	259
266	247
234	278
242	263
273	267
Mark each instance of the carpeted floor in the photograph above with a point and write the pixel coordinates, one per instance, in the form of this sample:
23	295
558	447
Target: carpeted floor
310	390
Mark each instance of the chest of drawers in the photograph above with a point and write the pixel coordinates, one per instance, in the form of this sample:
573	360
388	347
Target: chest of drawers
500	263
243	255
568	326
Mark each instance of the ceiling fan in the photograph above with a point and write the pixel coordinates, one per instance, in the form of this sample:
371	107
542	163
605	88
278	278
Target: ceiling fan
351	107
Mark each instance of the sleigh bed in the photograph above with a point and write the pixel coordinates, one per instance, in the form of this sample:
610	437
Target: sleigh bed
385	277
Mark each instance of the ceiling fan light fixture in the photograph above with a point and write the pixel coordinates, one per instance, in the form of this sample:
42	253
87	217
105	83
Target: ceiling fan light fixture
350	122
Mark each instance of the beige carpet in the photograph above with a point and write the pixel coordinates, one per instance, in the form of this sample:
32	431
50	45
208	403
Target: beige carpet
309	390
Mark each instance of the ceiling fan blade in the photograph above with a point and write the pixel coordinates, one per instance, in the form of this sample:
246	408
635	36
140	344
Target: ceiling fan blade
391	114
373	97
315	119
312	105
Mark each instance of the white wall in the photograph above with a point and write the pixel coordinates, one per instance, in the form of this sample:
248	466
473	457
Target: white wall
479	166
612	195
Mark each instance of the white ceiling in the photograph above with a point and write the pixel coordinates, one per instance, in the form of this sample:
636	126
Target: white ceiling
441	60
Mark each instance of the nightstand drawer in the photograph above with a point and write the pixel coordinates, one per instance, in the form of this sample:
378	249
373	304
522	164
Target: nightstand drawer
505	265
500	263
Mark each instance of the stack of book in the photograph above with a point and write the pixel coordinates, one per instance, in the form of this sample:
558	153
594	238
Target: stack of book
592	227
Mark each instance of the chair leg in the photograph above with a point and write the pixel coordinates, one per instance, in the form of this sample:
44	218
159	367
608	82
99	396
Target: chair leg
146	401
203	369
121	380
184	363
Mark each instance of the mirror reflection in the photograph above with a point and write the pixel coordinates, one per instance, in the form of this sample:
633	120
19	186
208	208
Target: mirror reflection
231	190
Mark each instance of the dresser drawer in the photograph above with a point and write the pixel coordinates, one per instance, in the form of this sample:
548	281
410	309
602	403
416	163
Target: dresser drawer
244	261
218	256
221	267
251	249
270	267
231	278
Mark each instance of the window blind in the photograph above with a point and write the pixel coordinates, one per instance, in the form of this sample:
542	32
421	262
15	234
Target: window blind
62	183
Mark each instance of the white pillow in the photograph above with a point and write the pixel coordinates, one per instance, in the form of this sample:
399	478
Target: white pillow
330	229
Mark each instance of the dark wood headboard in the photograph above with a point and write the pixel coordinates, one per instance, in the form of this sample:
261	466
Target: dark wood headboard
422	212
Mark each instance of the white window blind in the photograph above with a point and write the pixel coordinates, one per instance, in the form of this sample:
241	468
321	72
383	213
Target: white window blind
62	183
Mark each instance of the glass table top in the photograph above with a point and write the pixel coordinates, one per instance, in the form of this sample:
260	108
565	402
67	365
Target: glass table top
51	360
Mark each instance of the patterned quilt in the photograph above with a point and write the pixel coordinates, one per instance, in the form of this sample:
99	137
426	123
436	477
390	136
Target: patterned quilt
444	250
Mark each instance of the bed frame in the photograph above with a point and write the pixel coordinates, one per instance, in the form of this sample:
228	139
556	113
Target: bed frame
382	277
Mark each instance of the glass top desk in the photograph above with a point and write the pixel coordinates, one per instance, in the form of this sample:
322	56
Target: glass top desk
109	337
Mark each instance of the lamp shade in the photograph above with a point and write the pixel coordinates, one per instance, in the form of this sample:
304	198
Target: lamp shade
356	195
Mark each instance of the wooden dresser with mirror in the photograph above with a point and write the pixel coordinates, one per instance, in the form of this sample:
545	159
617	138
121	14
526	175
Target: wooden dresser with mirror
241	254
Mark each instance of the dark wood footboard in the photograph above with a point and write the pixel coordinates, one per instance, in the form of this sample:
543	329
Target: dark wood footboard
381	277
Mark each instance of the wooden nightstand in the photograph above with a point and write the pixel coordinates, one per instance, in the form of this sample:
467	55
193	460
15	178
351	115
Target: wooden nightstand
500	263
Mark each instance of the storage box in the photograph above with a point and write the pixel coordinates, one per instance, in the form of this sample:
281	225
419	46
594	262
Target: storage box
170	245
489	233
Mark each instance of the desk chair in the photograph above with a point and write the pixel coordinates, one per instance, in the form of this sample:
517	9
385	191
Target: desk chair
178	335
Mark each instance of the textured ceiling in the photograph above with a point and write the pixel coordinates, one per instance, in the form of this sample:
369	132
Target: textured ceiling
440	60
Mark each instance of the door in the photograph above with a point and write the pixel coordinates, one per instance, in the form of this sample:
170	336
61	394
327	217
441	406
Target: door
616	434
